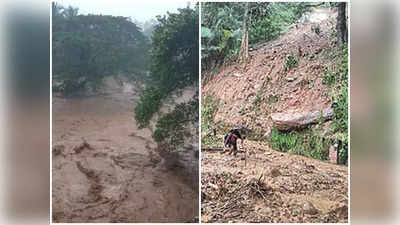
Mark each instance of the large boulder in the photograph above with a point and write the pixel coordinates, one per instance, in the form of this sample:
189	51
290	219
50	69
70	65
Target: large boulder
290	121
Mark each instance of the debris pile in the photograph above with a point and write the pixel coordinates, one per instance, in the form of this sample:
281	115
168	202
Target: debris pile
274	187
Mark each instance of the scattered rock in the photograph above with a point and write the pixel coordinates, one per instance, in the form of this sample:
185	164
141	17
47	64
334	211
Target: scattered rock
290	121
290	79
308	208
213	186
205	218
58	150
84	145
340	210
267	133
275	172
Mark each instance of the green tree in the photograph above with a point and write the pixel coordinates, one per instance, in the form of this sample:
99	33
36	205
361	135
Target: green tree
86	48
174	51
149	103
228	29
174	59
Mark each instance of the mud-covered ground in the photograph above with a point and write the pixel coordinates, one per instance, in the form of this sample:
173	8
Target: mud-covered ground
106	170
270	186
265	78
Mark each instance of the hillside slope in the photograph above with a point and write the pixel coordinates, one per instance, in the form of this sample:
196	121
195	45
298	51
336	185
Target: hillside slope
249	94
267	185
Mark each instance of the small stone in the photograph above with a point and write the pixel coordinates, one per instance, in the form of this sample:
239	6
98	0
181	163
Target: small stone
340	210
58	150
275	172
290	79
308	208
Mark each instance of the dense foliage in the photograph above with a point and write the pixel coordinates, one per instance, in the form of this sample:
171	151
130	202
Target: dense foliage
86	48
221	28
209	107
171	126
149	103
174	52
341	103
340	98
220	32
174	58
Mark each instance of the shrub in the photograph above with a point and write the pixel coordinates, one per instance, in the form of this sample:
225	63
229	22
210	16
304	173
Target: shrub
304	143
328	78
171	126
149	103
290	62
209	107
284	141
340	99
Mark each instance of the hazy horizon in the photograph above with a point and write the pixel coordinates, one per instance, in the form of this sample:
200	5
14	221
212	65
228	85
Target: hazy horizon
139	10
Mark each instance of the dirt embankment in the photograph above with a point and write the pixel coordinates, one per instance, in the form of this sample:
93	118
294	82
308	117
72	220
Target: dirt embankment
106	170
249	94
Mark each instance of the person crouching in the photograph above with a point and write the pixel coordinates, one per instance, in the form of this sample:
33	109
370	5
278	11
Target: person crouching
230	141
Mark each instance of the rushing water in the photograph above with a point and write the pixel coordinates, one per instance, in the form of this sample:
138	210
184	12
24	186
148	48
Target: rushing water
107	170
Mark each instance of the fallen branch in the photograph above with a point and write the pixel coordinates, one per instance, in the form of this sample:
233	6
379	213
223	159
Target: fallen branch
212	149
217	149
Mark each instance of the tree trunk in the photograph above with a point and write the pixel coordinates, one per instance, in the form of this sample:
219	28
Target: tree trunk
341	26
244	47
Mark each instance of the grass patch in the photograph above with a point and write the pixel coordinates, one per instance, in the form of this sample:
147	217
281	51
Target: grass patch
272	99
290	62
328	78
285	141
209	107
258	98
307	143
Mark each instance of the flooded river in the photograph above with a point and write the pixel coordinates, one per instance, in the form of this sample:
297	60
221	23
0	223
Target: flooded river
107	170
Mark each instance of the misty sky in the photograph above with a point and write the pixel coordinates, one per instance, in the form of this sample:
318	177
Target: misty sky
140	10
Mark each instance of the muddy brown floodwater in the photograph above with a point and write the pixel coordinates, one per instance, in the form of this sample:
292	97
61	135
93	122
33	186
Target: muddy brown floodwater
107	170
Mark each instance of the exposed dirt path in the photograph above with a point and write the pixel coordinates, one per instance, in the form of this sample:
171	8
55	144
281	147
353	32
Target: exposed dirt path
106	170
272	187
